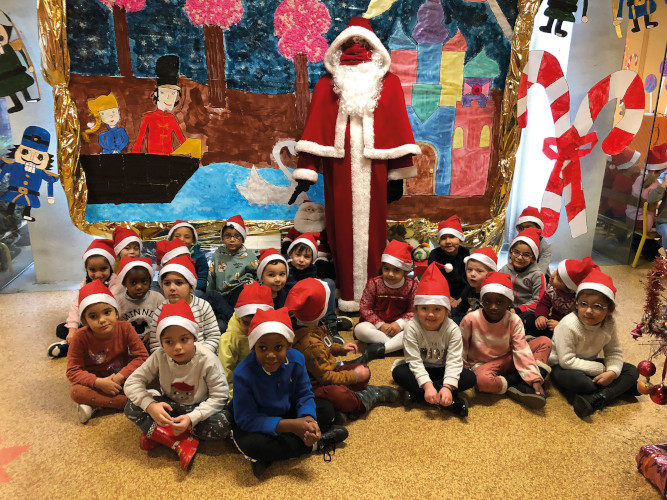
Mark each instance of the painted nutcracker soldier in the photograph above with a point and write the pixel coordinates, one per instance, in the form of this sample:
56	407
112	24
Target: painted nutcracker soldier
562	10
27	171
636	9
14	77
358	136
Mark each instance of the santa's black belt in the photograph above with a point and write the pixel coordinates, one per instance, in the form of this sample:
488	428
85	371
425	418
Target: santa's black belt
23	190
16	71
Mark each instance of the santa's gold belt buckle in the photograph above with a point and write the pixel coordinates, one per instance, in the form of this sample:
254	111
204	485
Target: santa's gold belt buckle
23	190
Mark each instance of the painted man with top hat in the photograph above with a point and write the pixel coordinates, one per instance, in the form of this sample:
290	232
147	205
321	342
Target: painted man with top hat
161	124
28	168
358	136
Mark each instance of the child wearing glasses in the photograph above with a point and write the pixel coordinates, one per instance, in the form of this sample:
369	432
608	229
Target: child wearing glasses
589	381
530	218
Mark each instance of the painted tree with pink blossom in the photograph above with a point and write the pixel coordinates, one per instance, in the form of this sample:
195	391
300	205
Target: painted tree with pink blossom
119	8
300	25
216	16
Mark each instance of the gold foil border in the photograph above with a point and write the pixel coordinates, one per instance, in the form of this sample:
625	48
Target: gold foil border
51	16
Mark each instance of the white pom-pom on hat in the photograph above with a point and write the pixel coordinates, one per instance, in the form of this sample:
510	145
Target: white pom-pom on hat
449	268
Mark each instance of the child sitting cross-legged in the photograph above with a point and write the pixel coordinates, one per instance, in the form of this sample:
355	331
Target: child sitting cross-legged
495	347
433	366
276	416
344	385
478	265
386	304
177	279
187	233
451	253
102	354
193	389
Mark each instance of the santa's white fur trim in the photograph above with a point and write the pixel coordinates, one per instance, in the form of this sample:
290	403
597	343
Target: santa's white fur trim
390	259
248	309
190	326
497	288
305	174
390	154
270	327
352	31
397	174
97	298
318	150
361	206
348	305
433	300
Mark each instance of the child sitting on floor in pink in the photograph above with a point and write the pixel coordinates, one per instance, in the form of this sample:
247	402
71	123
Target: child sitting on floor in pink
102	354
495	348
386	304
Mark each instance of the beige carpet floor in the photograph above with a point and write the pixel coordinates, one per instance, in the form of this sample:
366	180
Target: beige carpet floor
502	451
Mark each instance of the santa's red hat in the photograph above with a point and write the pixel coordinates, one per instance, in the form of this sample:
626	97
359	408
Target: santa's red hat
103	248
270	321
178	314
269	255
123	237
433	289
530	214
624	160
599	282
308	299
253	297
572	271
183	265
530	237
398	254
168	249
94	293
657	157
309	239
357	27
182	223
127	263
237	223
497	283
451	226
486	256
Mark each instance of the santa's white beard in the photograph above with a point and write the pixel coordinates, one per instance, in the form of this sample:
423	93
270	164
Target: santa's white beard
308	226
358	86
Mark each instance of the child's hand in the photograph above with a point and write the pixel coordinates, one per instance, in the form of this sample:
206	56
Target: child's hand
539	390
107	385
430	394
455	303
552	324
181	424
311	437
384	328
118	378
70	335
158	412
392	329
445	396
351	347
363	373
541	322
605	378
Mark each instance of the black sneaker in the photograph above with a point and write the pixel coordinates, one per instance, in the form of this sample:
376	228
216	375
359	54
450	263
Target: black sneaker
525	394
258	467
459	406
344	324
327	443
588	404
58	349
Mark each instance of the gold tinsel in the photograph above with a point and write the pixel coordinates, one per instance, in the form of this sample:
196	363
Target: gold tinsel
55	68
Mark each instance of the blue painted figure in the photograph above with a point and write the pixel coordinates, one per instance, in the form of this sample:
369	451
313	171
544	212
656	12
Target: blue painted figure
105	110
637	9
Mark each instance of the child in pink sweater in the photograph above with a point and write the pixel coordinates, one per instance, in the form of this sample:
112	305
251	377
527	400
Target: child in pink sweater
495	347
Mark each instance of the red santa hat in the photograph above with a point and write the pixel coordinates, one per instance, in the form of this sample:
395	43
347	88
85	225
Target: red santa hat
270	321
183	265
530	214
357	27
308	299
182	223
168	249
123	237
623	160
178	314
530	237
103	248
269	255
309	239
451	226
497	283
484	255
657	157
398	254
95	292
572	272
599	282
237	223
127	263
253	297
433	289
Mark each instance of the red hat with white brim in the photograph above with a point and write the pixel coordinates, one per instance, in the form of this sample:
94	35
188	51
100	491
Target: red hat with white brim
361	27
127	263
237	223
530	237
500	283
572	271
309	239
308	299
451	226
398	254
624	160
95	292
530	214
269	255
252	298
183	265
599	282
433	289
485	256
101	247
182	223
270	321
657	157
178	314
168	249
123	237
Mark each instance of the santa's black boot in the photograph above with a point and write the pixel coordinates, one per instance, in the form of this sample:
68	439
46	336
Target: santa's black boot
17	104
374	395
547	28
648	23
589	403
559	31
26	214
635	26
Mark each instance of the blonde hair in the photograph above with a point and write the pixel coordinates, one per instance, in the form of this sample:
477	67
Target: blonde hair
101	103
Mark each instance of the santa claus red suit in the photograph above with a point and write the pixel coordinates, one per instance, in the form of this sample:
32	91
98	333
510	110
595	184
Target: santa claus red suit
358	136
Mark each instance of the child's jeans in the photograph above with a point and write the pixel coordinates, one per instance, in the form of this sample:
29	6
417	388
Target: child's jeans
404	377
343	397
661	229
223	305
577	382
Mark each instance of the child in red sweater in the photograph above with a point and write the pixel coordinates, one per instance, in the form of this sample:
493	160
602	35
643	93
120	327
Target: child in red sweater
387	303
102	354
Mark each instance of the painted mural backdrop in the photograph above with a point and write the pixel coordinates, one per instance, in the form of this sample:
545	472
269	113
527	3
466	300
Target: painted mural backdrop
190	108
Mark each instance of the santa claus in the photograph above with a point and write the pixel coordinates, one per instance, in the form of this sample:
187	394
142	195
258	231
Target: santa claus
358	136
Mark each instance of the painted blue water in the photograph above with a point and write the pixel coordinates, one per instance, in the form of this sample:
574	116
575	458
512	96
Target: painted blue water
208	195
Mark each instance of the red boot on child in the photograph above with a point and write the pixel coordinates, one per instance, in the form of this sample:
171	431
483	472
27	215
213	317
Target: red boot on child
185	445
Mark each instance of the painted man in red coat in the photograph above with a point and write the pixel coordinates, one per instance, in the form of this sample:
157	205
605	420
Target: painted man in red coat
358	136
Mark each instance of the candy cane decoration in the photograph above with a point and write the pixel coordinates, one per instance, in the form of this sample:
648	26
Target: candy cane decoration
565	179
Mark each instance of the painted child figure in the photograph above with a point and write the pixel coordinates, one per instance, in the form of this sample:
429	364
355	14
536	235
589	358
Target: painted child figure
187	233
386	305
192	385
495	347
433	366
234	345
451	254
344	385
590	381
177	279
276	416
103	353
105	110
478	265
98	260
139	303
530	218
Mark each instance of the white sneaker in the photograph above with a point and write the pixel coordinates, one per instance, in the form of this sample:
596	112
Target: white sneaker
85	412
